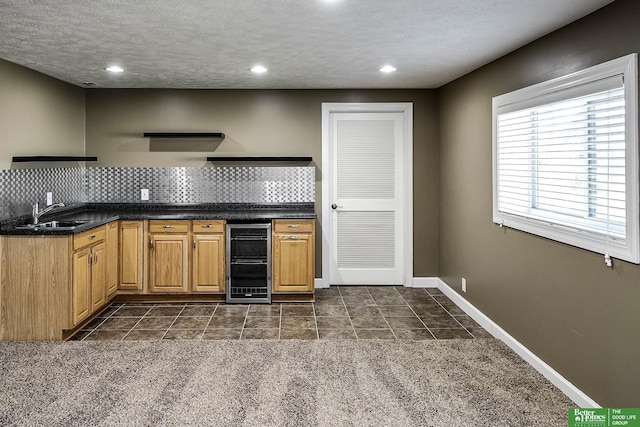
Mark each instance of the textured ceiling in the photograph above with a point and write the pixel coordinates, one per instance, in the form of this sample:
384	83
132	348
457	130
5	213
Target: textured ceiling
304	43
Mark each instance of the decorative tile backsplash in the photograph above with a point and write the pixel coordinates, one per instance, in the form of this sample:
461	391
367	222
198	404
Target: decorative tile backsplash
20	188
27	186
5	187
203	185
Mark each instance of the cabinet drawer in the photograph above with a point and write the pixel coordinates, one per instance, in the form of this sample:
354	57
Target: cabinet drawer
208	226
169	226
293	225
88	237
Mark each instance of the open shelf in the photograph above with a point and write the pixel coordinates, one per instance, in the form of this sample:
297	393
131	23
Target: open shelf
18	159
184	134
259	159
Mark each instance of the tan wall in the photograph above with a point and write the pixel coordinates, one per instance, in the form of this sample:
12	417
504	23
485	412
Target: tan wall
39	115
561	302
257	122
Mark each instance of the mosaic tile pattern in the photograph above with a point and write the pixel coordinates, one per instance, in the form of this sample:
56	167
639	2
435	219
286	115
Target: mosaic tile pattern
20	188
68	185
5	187
203	185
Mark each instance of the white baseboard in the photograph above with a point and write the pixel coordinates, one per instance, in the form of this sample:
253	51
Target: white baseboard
426	282
580	398
418	282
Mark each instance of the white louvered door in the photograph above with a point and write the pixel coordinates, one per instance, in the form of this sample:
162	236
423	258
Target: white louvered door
366	195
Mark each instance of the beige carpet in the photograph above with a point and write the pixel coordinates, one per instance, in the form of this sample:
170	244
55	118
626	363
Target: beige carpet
451	383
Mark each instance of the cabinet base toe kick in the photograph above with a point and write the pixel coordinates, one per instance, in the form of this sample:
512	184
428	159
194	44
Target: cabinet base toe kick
299	297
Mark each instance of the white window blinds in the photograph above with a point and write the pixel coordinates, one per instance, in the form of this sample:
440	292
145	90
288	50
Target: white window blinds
565	159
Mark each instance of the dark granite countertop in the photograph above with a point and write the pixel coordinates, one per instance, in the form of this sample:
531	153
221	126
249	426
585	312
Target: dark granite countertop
101	213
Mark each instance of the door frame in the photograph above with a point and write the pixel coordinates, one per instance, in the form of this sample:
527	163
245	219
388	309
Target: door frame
406	108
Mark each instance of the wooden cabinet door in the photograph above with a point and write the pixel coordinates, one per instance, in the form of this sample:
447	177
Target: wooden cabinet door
98	276
131	270
168	262
81	294
111	259
208	263
293	262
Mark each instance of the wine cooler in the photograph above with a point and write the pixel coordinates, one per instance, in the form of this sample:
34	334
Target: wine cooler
249	262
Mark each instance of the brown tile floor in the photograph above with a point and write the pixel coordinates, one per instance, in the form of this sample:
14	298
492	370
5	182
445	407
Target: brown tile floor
340	312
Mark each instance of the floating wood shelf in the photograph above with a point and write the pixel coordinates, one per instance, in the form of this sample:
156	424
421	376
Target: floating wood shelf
19	159
259	159
184	134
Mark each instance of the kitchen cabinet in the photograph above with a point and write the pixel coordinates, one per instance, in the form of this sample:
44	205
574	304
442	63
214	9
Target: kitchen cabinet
89	273
81	293
76	275
98	277
131	256
168	256
293	257
208	260
111	259
35	287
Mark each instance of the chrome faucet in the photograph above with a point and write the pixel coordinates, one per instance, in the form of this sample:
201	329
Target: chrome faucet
37	213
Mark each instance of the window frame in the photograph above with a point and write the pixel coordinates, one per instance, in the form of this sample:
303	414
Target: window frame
560	88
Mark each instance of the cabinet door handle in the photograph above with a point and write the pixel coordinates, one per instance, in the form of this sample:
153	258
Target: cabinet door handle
293	238
294	225
194	244
168	226
151	245
90	258
95	259
207	226
93	236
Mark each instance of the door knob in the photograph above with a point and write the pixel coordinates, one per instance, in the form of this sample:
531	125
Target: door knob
334	206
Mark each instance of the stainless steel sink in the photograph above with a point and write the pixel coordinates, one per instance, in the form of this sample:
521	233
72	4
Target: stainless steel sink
51	225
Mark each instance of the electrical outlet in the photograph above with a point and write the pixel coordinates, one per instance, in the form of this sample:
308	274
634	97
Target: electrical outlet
49	198
464	285
144	194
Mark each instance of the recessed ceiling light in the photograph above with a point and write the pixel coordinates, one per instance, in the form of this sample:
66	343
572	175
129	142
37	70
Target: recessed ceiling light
259	69
114	69
388	69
